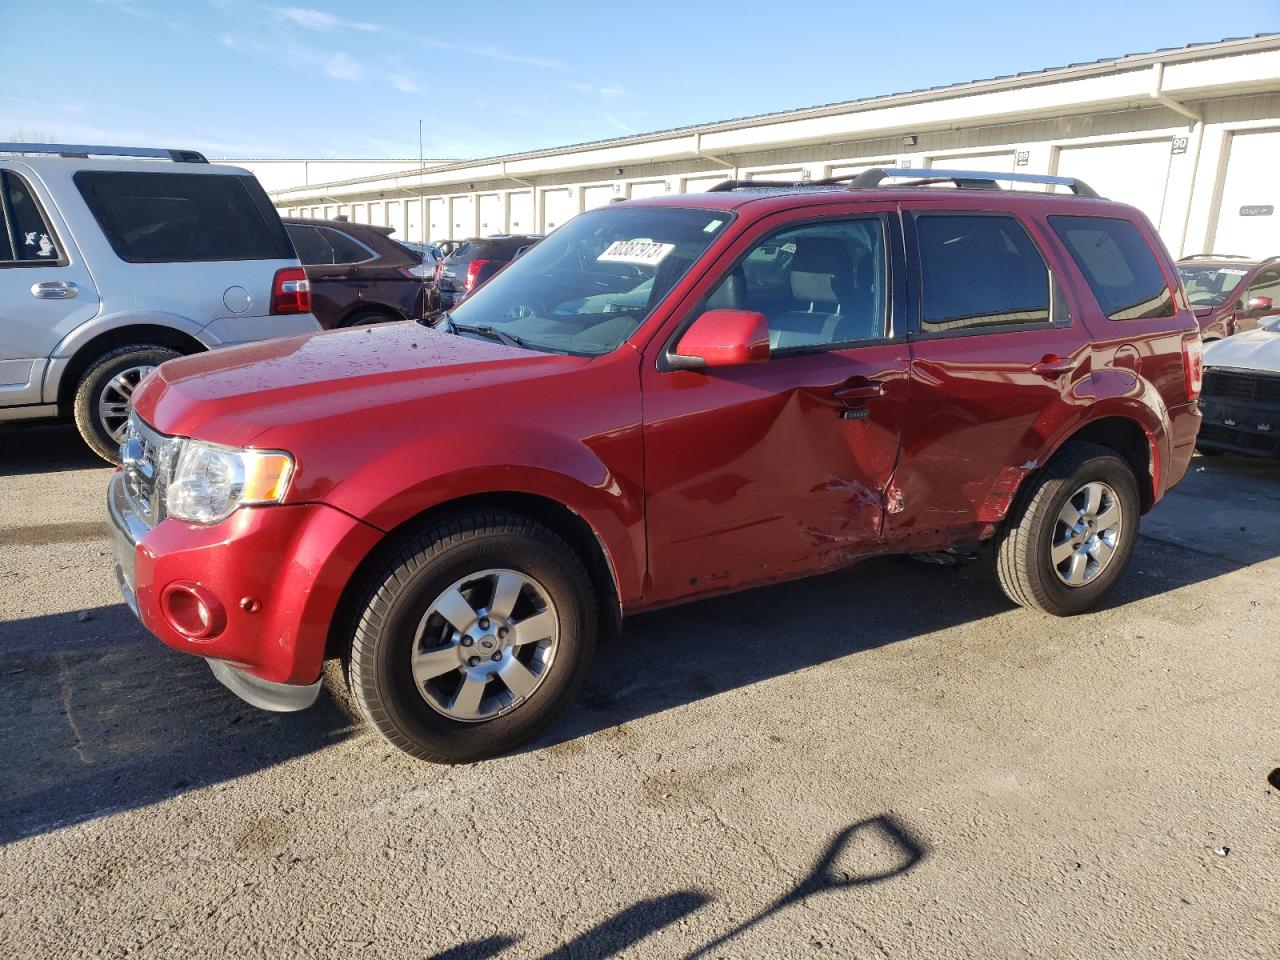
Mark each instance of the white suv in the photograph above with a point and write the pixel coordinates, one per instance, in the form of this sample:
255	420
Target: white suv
113	260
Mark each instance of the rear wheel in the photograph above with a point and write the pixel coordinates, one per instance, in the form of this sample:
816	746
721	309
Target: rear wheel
1071	532
362	317
473	638
104	395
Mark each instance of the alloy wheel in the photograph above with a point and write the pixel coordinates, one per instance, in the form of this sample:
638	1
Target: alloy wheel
115	399
1086	534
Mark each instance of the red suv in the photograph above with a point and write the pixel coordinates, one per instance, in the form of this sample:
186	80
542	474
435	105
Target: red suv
1230	294
666	399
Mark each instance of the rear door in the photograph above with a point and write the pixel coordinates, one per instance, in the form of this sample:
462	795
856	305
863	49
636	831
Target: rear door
45	289
996	354
205	246
761	472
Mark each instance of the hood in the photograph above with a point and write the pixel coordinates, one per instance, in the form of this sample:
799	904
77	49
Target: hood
1255	350
233	395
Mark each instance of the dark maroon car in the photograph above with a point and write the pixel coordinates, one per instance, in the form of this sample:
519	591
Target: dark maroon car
1230	294
472	263
358	273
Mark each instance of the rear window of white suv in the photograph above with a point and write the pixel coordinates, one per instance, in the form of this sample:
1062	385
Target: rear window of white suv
184	217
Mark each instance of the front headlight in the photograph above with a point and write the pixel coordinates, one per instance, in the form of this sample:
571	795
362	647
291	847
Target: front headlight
210	482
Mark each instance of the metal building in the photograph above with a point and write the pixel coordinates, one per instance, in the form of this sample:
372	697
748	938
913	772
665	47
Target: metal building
1189	135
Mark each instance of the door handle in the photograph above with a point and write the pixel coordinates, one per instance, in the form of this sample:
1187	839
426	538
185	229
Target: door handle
860	389
54	290
1054	366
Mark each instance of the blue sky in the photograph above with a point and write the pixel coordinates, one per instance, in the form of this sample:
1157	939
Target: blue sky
326	79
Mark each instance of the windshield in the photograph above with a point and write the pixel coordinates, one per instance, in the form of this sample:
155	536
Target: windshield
589	285
1210	286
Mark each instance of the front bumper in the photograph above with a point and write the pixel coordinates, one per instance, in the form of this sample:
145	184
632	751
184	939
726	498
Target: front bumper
277	572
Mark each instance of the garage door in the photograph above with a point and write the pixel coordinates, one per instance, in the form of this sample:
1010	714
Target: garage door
414	210
651	188
464	218
597	196
378	213
395	218
701	184
437	218
491	215
788	174
360	212
995	162
522	212
849	170
1249	218
1133	173
557	207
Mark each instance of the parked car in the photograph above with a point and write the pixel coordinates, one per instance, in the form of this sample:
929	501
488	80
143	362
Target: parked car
814	375
471	264
111	264
430	254
1241	398
358	273
1230	294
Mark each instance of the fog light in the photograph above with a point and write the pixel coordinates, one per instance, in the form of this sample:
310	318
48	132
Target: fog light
193	611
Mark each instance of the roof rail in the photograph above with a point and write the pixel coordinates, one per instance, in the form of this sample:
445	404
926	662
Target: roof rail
968	179
1216	256
85	150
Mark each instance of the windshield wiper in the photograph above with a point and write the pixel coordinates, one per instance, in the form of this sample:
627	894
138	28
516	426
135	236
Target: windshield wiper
493	333
444	319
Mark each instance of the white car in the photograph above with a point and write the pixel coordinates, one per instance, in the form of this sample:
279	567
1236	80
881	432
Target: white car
1240	400
115	259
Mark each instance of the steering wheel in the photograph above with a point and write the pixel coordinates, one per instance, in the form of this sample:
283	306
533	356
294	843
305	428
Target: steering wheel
525	308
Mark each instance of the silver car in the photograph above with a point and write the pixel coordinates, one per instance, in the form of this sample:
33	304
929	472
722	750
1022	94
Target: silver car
113	260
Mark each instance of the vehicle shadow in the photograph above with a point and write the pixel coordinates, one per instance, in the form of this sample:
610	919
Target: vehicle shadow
838	867
98	716
43	448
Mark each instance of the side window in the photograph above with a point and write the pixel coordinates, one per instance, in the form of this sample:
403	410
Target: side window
980	271
820	284
29	239
1118	266
311	245
346	249
1267	287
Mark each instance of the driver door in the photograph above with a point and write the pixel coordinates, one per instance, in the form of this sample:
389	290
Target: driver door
762	472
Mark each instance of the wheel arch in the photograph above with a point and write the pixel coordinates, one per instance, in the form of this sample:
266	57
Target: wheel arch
88	352
576	530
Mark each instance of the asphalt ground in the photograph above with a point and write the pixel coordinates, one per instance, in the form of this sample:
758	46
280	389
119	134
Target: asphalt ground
891	761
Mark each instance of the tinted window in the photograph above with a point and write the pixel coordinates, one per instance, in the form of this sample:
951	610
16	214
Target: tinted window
979	272
310	243
29	238
183	217
1118	265
346	249
817	284
1267	284
1210	286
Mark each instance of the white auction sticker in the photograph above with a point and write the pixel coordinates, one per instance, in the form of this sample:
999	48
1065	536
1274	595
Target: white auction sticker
641	251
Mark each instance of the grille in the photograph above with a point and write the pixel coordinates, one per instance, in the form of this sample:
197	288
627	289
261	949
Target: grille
1262	388
1259	443
147	462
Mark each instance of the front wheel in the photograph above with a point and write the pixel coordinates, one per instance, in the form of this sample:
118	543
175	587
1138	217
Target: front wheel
473	638
1071	532
104	395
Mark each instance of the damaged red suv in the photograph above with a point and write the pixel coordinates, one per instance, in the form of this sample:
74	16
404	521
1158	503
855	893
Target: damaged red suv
666	399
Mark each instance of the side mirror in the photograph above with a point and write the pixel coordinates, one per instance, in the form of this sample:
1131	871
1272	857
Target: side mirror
723	338
1259	303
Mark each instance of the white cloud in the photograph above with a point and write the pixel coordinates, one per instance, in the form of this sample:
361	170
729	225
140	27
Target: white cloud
404	84
613	90
311	19
487	50
340	66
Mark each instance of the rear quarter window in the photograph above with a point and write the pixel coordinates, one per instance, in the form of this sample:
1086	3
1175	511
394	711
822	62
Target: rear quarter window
184	217
1118	265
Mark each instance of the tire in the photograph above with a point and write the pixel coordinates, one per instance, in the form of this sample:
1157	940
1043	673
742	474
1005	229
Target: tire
362	317
465	555
96	386
1024	564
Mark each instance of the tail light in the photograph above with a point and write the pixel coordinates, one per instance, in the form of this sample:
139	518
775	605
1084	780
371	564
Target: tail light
290	292
473	274
1193	364
439	270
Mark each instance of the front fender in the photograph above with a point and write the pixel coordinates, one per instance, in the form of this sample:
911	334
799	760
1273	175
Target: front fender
599	478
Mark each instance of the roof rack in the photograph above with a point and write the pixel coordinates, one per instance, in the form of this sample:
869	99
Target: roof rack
965	179
968	179
1216	256
85	150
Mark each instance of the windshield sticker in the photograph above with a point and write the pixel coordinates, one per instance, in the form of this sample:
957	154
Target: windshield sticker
641	251
712	227
1233	273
